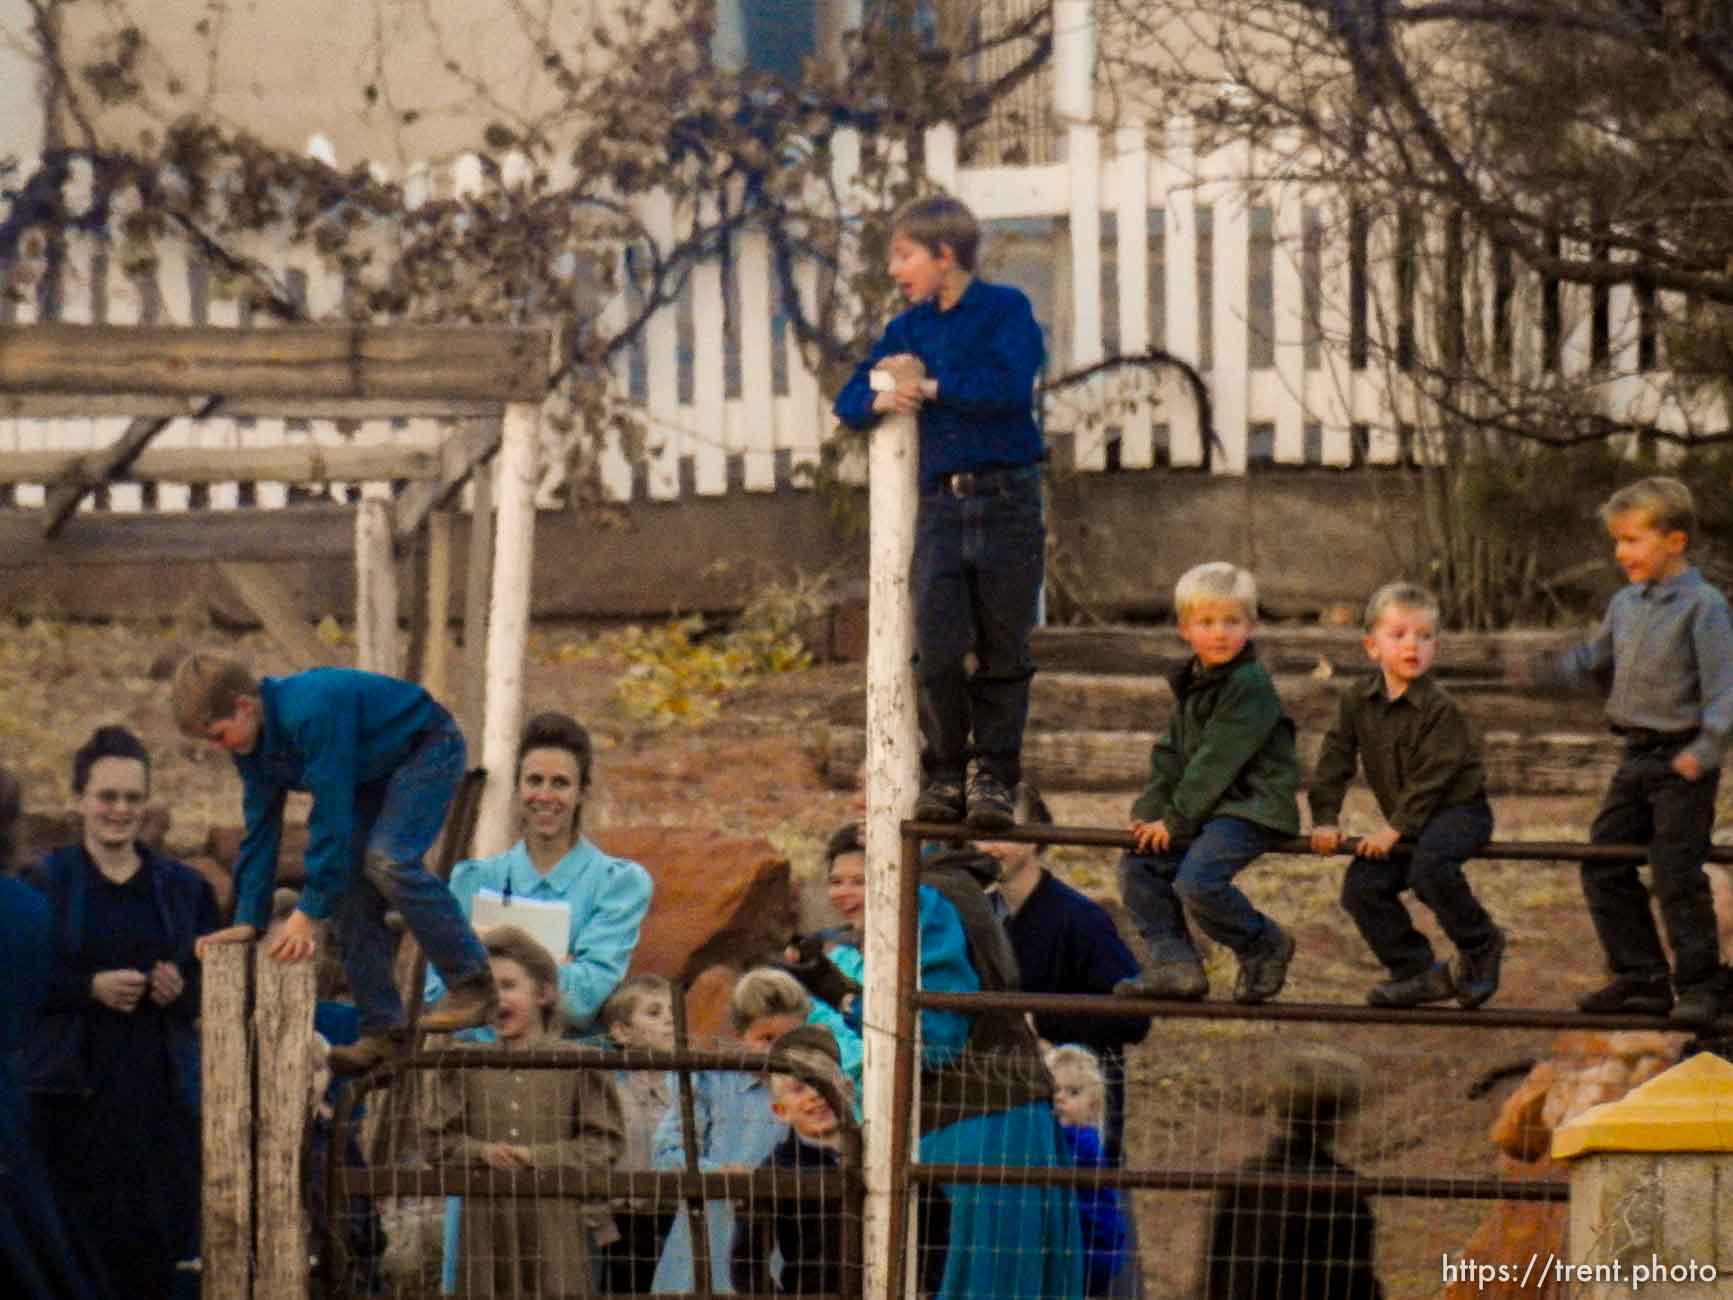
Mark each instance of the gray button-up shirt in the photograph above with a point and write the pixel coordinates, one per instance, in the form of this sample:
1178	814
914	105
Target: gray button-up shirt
1668	646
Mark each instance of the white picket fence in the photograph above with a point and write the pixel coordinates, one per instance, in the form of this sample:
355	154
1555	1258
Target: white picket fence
1134	238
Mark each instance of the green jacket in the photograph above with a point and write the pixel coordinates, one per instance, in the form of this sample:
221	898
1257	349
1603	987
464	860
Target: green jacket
1419	751
1229	752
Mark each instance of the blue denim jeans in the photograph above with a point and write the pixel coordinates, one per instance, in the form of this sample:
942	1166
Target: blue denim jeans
975	583
396	822
1372	891
1154	887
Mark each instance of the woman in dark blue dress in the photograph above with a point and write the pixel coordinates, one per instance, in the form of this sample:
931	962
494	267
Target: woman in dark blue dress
34	1257
113	1060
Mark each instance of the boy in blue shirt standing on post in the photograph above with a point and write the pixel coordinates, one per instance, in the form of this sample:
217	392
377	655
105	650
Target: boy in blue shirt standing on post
963	359
381	759
1667	644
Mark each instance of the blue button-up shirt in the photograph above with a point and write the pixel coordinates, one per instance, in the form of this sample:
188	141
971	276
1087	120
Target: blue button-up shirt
328	731
608	897
1668	646
985	353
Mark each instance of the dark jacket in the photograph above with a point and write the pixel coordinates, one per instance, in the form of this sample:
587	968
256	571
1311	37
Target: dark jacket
186	909
1419	751
1228	752
1272	1243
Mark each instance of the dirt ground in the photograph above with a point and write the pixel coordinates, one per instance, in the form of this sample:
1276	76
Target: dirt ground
756	769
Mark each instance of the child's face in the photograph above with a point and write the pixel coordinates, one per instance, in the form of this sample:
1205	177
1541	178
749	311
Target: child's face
1216	630
1643	551
803	1108
1403	642
549	791
523	1004
761	1033
650	1026
112	805
918	271
846	887
239	732
1076	1099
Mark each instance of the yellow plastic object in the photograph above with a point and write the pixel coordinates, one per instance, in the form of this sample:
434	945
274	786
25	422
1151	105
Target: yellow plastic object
1686	1108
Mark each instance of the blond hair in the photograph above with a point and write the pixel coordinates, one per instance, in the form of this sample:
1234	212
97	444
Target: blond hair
938	221
512	943
1399	595
207	687
1216	580
1079	1060
764	992
1665	502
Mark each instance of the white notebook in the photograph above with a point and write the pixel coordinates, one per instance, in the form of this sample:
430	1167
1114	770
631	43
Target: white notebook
548	923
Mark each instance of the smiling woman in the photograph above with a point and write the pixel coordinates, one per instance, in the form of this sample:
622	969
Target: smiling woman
585	906
113	1060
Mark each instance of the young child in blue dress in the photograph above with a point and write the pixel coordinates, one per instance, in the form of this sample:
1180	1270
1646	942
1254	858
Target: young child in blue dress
1079	1104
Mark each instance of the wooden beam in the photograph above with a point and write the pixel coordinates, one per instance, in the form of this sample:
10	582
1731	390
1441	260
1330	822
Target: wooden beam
123	404
436	651
301	463
478	581
515	476
289	361
264	592
302	532
110	463
375	590
460	455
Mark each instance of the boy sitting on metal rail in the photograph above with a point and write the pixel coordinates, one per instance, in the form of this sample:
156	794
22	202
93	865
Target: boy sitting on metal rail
963	360
382	759
1667	644
1223	782
1422	760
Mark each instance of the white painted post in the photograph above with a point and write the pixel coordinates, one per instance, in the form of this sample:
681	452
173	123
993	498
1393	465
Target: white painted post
1074	61
1182	327
892	774
515	476
23	93
436	660
1230	332
1288	317
941	156
375	589
1131	150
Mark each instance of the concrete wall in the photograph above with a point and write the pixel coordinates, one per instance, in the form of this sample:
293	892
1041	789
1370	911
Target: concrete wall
1313	537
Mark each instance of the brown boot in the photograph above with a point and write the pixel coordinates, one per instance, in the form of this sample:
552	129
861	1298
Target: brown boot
368	1052
466	1004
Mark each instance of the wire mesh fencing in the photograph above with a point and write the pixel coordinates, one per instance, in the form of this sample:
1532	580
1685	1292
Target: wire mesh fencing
572	1171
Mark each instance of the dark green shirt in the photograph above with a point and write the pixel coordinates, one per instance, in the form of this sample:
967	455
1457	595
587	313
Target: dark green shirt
1228	752
1419	751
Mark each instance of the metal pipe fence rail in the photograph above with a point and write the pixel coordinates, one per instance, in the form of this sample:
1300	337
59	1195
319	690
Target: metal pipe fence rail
908	1173
844	1188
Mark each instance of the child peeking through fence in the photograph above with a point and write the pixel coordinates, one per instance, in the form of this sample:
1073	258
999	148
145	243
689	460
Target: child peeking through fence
806	1230
382	759
1080	1106
531	1122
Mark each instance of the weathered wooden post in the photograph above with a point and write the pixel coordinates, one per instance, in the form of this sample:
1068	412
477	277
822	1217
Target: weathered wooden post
375	589
892	777
436	659
227	1115
478	581
1652	1189
515	475
283	1043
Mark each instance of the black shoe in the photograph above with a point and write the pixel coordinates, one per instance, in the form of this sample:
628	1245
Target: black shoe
1183	981
1264	970
1431	985
1476	972
1699	1004
1647	995
941	801
990	807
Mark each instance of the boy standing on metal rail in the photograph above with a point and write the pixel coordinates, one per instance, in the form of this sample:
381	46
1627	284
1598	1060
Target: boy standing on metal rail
1422	761
963	359
382	759
1667	644
1223	782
